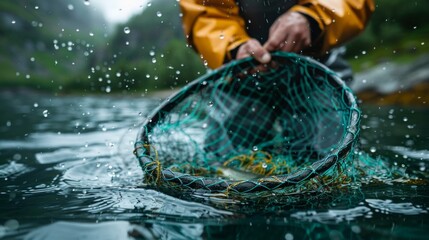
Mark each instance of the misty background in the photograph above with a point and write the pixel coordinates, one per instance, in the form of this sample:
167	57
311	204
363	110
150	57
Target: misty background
100	46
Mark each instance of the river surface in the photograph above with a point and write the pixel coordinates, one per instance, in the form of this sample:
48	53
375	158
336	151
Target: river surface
67	171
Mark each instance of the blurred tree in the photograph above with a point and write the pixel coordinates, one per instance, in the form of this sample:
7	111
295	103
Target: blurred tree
63	44
43	42
393	22
151	49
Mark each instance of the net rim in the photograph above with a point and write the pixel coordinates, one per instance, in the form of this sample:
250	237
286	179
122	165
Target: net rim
211	184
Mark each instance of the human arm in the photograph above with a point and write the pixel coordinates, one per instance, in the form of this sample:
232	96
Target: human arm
313	27
334	21
213	28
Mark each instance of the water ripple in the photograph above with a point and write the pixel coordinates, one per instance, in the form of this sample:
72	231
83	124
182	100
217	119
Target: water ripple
152	203
415	154
13	169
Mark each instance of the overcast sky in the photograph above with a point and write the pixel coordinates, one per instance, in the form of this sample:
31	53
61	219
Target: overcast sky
118	11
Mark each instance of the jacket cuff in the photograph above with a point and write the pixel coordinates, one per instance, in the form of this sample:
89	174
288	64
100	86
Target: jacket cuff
231	55
315	30
231	51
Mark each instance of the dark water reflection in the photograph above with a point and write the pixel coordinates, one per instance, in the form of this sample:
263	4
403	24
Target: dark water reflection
67	172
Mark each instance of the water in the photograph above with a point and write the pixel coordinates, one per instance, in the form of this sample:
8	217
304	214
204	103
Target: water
67	172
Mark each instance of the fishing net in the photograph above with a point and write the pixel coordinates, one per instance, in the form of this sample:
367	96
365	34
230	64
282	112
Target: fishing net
250	130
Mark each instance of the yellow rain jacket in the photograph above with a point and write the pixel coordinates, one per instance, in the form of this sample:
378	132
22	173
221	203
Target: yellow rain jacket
215	27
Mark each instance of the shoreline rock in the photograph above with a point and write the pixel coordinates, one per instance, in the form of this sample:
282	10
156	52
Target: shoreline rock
394	83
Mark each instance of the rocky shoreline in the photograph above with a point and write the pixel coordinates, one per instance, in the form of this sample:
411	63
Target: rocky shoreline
394	83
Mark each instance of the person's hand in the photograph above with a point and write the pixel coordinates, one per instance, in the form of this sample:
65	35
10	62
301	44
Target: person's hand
289	33
253	48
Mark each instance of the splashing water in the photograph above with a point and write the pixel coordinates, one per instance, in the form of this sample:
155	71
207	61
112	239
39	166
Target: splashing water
62	173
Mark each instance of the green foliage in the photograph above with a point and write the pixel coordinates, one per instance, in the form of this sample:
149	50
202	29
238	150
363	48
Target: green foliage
152	55
46	42
174	66
393	23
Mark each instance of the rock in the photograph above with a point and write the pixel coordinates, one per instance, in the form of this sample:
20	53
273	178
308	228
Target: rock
394	83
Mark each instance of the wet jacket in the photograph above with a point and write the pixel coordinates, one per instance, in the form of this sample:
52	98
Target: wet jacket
216	27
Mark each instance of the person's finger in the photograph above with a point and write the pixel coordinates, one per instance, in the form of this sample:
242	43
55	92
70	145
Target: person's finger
242	53
291	45
245	49
255	49
273	28
274	41
276	36
296	41
290	32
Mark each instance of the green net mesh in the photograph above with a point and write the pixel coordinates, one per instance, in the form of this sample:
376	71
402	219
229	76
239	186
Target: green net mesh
249	130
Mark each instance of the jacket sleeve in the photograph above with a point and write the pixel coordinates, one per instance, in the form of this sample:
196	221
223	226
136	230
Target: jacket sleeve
213	28
338	20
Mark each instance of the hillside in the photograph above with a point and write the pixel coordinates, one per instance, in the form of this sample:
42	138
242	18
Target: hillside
45	41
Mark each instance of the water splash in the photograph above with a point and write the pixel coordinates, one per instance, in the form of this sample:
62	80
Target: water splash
388	206
333	216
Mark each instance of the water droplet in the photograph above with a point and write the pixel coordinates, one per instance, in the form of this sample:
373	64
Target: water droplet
13	21
70	7
36	7
91	34
222	36
152	53
288	236
153	60
405	119
35	104
45	113
108	89
373	149
11	225
158	14
149	4
255	148
264	165
127	30
86	2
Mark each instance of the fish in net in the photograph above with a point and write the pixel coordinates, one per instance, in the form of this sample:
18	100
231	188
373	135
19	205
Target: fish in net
248	130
